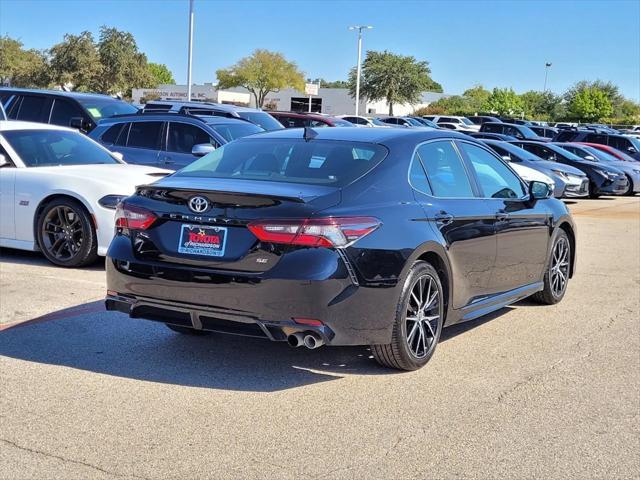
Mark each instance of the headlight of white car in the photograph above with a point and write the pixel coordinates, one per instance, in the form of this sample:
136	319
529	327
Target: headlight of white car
110	201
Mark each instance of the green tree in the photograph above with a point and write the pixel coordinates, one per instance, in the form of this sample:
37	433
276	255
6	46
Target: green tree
540	105
261	73
504	101
75	61
123	66
590	105
454	105
394	78
476	99
20	67
161	74
327	84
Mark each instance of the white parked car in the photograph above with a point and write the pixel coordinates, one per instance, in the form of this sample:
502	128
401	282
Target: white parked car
463	122
59	190
529	175
360	121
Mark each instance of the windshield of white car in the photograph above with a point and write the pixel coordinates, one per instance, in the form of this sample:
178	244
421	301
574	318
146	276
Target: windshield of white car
48	148
100	108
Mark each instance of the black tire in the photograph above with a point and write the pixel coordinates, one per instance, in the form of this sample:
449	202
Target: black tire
185	330
549	295
399	354
629	191
593	191
67	239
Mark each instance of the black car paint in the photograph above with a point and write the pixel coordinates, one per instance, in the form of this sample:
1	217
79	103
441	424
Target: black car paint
599	184
489	252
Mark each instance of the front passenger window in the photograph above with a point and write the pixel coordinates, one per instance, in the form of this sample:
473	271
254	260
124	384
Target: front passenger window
445	170
495	178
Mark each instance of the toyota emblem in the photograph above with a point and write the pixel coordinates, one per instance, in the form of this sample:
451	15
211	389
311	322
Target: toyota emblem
198	204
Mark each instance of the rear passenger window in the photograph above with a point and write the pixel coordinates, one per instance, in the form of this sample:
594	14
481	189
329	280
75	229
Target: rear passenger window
495	128
183	136
145	135
565	136
34	109
596	138
619	143
63	111
418	177
111	135
445	170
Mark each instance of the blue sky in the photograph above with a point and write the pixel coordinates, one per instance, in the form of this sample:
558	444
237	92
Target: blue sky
493	43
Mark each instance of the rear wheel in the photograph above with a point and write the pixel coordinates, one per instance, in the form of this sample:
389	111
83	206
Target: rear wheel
418	322
185	330
556	277
66	234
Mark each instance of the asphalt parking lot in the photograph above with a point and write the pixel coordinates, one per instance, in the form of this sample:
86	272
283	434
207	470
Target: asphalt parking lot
531	391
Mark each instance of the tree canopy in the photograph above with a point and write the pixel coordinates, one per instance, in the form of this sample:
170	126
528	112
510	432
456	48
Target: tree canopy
261	73
590	104
161	74
75	61
20	67
395	78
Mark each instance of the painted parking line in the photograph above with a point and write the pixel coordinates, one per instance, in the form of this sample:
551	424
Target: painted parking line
84	309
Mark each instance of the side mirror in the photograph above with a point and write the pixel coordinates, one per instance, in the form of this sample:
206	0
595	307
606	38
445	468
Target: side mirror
632	150
118	156
3	161
590	158
539	190
201	149
78	122
506	158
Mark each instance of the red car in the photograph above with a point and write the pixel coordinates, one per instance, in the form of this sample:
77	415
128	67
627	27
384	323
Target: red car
300	120
620	155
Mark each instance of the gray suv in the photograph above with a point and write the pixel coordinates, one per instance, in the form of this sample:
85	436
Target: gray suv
168	140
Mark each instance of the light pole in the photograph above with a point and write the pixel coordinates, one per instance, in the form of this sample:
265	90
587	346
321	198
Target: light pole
547	65
190	50
359	67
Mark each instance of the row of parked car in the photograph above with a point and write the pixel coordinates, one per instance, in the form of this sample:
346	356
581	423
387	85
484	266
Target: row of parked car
577	162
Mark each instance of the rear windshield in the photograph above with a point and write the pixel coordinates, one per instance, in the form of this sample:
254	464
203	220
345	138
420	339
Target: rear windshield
231	131
317	162
261	119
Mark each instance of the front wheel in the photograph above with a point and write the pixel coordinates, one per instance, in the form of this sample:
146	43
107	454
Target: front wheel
418	322
556	277
593	191
630	188
66	234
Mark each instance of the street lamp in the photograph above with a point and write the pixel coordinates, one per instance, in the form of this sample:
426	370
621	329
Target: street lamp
547	65
190	55
359	67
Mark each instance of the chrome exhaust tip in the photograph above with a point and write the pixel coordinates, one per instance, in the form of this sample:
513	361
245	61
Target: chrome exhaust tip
296	339
312	341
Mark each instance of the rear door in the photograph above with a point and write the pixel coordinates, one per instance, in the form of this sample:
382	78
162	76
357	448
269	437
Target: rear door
522	229
181	137
7	198
142	142
32	108
466	223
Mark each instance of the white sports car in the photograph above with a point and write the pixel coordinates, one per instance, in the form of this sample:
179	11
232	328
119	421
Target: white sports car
59	190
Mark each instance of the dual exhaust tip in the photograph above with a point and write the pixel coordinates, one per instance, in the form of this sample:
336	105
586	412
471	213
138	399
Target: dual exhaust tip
309	340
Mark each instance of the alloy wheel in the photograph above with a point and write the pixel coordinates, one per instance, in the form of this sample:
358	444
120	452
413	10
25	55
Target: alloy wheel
560	267
62	233
422	316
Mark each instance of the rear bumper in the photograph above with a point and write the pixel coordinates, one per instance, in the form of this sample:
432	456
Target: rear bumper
310	284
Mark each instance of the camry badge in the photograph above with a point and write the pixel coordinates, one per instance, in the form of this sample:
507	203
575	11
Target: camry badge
198	204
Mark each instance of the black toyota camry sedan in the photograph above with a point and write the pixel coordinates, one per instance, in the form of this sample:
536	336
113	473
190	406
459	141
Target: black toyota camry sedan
337	236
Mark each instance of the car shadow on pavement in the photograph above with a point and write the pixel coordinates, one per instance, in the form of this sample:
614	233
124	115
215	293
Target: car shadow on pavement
87	337
24	257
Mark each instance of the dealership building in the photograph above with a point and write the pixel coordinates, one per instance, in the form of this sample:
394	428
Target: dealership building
332	101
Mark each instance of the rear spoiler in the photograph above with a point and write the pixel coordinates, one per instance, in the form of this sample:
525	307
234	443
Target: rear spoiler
145	190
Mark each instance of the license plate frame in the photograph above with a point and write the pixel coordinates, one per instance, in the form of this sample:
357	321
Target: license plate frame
200	240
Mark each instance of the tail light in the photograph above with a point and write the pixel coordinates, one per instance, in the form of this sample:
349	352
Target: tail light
133	217
315	232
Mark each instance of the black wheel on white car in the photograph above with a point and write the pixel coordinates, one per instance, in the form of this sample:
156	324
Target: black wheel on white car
65	233
556	278
418	323
630	187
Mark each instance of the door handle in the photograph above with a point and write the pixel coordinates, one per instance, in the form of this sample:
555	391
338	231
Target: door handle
444	218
